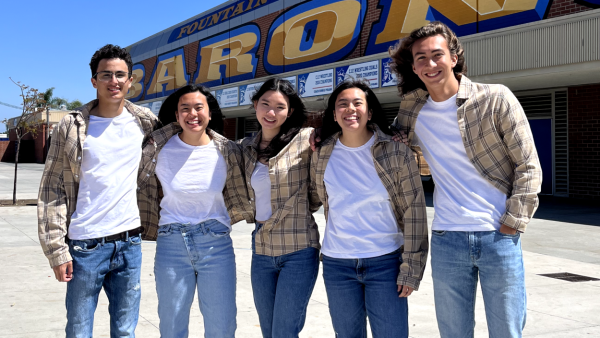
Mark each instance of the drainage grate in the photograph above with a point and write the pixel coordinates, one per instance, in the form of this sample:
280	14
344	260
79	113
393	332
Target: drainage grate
570	277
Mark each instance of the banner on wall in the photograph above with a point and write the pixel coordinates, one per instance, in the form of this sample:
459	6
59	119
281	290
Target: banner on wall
153	106
292	79
388	77
317	83
247	91
227	97
368	71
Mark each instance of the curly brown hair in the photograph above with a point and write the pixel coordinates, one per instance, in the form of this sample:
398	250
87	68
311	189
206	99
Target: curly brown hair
402	57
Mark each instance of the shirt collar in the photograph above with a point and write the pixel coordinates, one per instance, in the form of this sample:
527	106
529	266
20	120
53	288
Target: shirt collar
84	111
465	88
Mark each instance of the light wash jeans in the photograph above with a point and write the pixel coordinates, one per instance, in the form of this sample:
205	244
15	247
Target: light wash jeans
114	265
189	257
282	286
458	260
357	288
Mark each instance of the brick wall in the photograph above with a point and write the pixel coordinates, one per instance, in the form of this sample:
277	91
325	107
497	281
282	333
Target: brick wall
565	7
5	152
584	142
32	148
264	23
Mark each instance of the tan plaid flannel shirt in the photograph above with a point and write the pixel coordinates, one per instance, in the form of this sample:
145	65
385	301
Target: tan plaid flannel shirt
498	141
399	173
292	226
234	193
57	198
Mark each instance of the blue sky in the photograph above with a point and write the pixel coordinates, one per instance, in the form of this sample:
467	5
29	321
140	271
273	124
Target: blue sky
49	43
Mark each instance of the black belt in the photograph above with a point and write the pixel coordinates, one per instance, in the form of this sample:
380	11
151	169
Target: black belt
123	235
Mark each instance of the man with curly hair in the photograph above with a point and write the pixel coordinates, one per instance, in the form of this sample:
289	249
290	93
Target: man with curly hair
478	145
89	223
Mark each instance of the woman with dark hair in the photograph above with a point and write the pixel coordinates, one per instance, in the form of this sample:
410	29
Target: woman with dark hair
375	242
285	243
204	191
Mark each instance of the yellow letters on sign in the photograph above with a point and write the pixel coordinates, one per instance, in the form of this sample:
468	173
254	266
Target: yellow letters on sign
404	17
463	12
235	54
335	27
136	85
169	72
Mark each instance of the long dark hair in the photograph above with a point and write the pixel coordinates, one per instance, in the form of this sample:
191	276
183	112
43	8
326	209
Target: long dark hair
291	126
168	110
330	126
402	55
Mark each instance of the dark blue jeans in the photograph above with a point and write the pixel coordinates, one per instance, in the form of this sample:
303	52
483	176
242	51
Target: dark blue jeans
366	287
282	287
114	266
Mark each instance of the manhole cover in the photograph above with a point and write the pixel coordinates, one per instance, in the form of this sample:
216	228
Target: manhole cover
570	277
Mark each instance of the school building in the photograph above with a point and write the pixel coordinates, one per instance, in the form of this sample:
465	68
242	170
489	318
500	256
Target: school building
547	52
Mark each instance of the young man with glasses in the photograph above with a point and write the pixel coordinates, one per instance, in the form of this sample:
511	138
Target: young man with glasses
480	150
90	225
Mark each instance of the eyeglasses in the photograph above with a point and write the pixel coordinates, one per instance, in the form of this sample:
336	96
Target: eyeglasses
106	76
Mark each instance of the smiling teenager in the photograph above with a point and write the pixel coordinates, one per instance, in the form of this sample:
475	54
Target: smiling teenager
375	243
88	214
285	243
202	192
478	144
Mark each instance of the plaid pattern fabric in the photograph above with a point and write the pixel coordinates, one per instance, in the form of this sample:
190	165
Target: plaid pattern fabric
59	186
399	173
497	139
291	226
234	193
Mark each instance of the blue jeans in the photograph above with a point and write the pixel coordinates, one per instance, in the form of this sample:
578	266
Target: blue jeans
189	257
114	265
458	259
357	288
282	286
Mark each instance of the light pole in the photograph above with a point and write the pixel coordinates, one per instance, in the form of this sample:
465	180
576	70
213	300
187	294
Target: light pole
46	145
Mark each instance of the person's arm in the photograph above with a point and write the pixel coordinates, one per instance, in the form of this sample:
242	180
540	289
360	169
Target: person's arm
416	244
314	202
52	208
518	139
236	193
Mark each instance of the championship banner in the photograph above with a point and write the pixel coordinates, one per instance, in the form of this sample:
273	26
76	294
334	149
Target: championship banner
317	83
247	91
292	79
388	77
227	97
368	71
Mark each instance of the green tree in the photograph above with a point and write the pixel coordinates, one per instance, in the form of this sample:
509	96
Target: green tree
56	102
74	104
48	95
27	122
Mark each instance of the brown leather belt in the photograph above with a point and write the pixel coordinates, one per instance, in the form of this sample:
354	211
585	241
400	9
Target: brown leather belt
123	235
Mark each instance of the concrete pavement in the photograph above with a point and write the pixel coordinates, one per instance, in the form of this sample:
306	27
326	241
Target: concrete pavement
28	180
564	238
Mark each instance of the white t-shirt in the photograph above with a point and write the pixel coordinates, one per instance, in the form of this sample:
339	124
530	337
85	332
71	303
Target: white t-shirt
107	200
361	221
192	179
261	183
463	199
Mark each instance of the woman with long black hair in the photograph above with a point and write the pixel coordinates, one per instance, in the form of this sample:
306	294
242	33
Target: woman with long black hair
375	243
200	173
285	243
